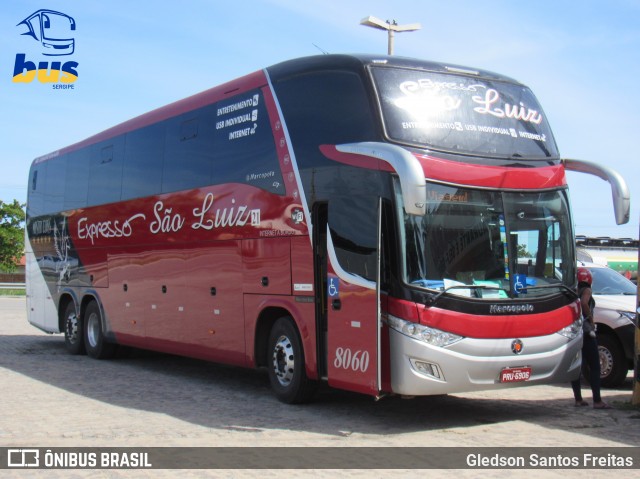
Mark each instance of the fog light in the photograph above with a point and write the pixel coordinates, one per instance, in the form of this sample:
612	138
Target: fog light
428	369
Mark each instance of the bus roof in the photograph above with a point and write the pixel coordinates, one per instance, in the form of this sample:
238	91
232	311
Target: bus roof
359	61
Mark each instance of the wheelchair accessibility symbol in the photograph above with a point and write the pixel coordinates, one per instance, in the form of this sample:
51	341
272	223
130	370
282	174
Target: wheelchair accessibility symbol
520	284
333	287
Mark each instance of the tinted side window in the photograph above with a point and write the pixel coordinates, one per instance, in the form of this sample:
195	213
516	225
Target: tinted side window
77	180
189	151
245	148
325	108
353	222
229	142
105	175
143	158
55	185
37	181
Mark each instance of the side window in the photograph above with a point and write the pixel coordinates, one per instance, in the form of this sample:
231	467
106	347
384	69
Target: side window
143	158
77	180
329	107
353	222
188	151
245	148
37	180
105	174
55	184
188	129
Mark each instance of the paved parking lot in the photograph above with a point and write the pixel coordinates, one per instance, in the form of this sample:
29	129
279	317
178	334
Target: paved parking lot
52	399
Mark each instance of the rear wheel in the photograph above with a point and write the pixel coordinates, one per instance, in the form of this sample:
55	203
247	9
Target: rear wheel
73	330
613	364
286	366
95	343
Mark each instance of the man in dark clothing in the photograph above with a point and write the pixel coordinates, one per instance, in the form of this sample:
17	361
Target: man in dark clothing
590	353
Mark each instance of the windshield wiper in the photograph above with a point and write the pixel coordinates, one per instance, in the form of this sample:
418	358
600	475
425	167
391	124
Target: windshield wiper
549	286
433	300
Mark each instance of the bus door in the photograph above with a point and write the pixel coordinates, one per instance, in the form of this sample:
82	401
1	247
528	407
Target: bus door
352	294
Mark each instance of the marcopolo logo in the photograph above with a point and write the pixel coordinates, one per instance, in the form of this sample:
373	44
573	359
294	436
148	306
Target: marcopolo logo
53	31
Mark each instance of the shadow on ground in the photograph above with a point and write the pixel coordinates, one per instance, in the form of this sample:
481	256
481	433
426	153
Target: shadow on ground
209	394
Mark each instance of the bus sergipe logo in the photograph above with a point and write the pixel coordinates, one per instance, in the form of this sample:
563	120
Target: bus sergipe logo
54	33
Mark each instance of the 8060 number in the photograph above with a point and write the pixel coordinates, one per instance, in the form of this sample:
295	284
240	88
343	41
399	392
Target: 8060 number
355	361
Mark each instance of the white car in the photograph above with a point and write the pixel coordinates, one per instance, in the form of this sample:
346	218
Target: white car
614	316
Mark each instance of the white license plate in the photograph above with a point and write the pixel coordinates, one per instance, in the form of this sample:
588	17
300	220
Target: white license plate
514	375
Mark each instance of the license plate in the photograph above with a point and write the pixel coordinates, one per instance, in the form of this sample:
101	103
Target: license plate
514	375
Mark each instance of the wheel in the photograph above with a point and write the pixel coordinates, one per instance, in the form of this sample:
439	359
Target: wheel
286	365
95	343
613	364
73	330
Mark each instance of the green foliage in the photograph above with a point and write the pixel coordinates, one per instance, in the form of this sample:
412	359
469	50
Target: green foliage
12	292
12	218
522	251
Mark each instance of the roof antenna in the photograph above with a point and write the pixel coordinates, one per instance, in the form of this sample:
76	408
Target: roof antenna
324	52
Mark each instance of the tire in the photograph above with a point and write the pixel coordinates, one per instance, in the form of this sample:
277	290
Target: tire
73	330
613	364
286	366
95	343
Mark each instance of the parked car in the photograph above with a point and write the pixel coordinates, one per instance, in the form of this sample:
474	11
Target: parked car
614	316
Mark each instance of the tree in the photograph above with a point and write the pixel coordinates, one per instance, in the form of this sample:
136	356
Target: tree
12	218
522	251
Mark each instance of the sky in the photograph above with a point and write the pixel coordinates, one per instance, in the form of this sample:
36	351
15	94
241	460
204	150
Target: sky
581	59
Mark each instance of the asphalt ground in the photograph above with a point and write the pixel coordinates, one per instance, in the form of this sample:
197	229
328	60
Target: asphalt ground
51	399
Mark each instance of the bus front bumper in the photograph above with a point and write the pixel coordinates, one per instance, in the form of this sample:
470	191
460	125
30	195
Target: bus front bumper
419	369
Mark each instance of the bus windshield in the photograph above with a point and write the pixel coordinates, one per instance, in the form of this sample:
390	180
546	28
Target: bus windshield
463	114
503	244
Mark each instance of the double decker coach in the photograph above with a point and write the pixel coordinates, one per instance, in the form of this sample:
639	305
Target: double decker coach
387	225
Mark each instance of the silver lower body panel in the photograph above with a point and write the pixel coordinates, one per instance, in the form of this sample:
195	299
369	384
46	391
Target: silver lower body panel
418	369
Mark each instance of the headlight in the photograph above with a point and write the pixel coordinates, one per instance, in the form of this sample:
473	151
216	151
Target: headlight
573	330
431	336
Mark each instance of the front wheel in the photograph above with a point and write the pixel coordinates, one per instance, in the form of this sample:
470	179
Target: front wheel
286	366
95	342
613	364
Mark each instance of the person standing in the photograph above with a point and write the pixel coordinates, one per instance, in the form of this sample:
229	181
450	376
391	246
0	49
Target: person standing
590	354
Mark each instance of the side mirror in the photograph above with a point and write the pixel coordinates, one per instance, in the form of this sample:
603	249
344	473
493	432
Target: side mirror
619	188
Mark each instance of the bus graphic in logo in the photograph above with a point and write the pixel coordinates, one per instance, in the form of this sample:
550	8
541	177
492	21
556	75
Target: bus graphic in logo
52	30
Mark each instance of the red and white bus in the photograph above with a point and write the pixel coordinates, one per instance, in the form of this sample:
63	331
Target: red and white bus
387	225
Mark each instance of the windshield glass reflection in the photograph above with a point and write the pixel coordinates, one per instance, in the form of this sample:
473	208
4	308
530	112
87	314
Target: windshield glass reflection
501	244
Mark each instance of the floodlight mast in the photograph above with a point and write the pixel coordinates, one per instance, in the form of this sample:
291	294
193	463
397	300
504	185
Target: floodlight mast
391	26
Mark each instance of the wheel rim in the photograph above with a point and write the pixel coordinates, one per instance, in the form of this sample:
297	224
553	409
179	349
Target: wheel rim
93	329
283	361
606	362
72	328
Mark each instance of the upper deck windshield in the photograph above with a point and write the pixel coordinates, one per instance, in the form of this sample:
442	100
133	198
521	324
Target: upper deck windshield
503	244
463	114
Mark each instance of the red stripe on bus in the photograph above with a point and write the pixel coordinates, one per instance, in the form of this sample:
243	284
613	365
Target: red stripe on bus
485	327
549	176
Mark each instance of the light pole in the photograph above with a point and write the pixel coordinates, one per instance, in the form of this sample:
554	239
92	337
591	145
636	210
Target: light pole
390	26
